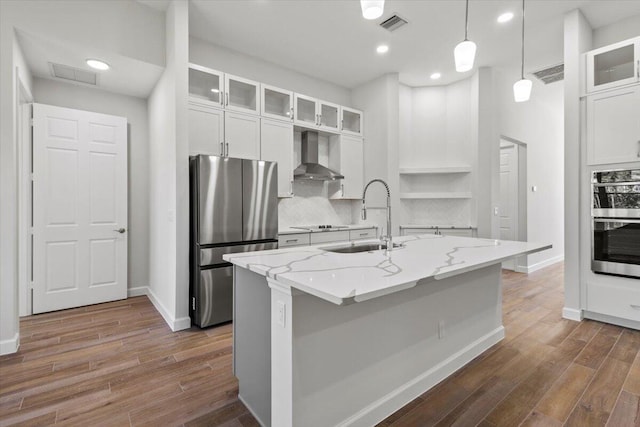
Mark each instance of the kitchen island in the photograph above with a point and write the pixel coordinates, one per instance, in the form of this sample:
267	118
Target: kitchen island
325	338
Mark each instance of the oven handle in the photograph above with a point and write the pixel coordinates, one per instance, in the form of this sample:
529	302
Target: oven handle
614	184
626	221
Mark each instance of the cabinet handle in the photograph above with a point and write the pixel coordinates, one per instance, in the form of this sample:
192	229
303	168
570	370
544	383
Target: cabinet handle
634	306
638	69
319	119
363	234
291	241
222	148
291	113
342	188
227	144
226	99
341	124
291	187
222	99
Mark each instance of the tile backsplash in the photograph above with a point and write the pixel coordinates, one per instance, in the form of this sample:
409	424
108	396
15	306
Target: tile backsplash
311	206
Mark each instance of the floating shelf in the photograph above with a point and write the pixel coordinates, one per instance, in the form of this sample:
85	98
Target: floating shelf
447	195
435	169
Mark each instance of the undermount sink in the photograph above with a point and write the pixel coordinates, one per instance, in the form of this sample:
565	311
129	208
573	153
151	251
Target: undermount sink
353	248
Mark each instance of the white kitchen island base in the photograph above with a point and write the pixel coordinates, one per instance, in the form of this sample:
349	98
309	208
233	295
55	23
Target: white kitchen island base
304	361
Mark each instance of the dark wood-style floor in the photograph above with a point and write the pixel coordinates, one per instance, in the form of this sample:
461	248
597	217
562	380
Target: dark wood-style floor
119	364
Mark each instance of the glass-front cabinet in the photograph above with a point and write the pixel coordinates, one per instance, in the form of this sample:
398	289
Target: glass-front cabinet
329	116
206	86
277	103
241	94
614	65
314	113
351	121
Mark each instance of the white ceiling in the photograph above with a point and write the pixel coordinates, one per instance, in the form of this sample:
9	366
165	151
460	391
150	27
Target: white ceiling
127	75
331	41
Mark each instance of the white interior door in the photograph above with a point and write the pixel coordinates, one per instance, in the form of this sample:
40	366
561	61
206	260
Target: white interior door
508	207
79	208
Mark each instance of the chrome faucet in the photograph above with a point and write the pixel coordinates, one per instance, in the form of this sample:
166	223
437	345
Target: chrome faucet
387	238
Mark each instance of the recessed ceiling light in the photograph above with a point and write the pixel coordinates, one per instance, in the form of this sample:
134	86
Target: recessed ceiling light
97	64
505	17
383	48
435	76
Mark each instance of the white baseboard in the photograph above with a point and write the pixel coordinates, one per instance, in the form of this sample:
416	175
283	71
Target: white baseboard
627	323
387	405
539	265
175	324
241	399
10	346
137	291
572	314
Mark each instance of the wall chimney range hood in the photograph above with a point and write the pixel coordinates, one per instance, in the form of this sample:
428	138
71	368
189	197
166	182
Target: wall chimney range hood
310	169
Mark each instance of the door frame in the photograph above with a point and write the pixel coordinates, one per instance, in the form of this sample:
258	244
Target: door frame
24	101
521	262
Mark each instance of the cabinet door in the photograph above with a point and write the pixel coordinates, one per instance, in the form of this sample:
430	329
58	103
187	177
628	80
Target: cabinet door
242	135
613	126
276	145
329	118
206	130
351	121
276	103
347	156
206	86
305	110
613	65
241	94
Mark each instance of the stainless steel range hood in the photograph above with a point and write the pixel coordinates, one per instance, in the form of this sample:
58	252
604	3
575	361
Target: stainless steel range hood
310	169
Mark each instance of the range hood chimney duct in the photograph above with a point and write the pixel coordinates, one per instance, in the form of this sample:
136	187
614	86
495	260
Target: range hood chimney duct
310	169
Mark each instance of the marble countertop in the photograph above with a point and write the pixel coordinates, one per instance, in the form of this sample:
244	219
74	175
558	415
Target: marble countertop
289	230
349	278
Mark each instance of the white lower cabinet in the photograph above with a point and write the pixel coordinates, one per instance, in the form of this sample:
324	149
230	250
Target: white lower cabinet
614	300
276	145
368	233
206	130
346	155
306	239
613	126
242	135
290	240
329	236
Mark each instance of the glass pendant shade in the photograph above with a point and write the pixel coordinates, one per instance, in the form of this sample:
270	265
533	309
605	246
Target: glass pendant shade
464	53
522	90
372	9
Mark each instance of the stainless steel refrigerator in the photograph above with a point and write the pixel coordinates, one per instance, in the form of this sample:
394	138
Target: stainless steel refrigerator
233	208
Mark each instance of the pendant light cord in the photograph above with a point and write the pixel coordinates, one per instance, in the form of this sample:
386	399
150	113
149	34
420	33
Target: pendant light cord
466	21
522	67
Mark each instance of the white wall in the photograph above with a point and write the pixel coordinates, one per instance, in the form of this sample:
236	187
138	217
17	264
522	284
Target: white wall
53	92
229	61
380	101
168	177
618	31
539	123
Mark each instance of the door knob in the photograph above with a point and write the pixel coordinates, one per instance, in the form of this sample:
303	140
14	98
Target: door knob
120	230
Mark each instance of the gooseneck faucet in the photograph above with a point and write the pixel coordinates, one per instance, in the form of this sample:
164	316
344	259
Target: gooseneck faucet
364	209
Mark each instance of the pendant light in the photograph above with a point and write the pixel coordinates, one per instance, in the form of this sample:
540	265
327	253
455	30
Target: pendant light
465	51
372	9
522	88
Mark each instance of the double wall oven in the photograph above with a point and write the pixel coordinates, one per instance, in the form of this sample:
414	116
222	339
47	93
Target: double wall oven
615	211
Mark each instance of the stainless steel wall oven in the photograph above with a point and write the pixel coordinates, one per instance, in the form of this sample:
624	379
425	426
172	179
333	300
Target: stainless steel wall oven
615	211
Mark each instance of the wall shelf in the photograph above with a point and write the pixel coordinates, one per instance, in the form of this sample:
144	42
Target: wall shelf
441	195
435	170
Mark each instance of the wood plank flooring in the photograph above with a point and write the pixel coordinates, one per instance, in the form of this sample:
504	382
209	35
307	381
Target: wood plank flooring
119	364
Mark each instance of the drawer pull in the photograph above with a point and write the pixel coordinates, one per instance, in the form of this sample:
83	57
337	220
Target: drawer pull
634	306
364	234
291	240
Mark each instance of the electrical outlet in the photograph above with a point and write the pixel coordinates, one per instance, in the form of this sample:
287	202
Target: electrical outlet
441	329
282	313
495	211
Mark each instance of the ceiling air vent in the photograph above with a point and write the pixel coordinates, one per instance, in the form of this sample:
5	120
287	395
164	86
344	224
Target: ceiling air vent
550	74
74	74
393	23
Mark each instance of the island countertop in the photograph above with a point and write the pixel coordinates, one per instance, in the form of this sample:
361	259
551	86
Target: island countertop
354	277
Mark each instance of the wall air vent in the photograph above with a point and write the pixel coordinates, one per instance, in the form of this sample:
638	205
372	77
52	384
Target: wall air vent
393	23
550	74
74	74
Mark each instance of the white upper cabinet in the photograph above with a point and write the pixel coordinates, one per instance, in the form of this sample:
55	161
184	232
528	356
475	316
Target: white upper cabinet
241	135
206	86
276	103
351	121
614	65
241	94
276	145
613	126
346	155
312	113
206	130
